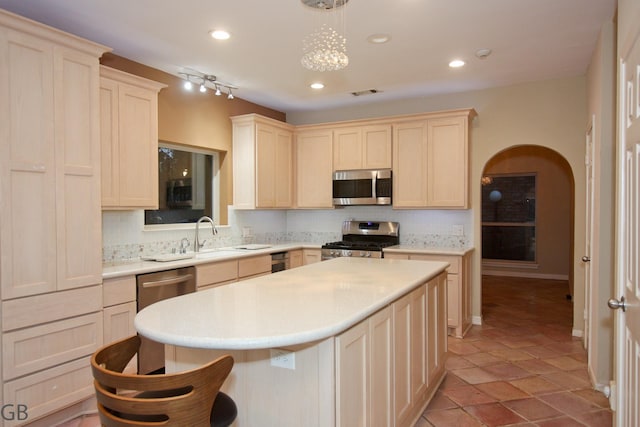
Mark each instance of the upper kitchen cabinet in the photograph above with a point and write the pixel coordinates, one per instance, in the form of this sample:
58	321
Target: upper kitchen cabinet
262	163
362	147
49	159
431	161
314	168
129	139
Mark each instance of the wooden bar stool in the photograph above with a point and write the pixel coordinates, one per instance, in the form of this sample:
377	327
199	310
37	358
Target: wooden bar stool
189	398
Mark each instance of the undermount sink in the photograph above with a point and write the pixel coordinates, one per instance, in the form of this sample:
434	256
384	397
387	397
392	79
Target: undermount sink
216	253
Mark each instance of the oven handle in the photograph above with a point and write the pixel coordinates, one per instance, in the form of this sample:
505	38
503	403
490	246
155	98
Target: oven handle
167	282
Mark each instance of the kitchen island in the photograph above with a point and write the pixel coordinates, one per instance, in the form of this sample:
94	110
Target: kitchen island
345	342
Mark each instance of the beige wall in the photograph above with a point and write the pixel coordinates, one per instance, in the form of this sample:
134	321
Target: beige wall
196	119
554	203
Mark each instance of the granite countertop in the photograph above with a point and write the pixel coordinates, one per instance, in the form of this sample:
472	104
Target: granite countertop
296	306
429	250
110	271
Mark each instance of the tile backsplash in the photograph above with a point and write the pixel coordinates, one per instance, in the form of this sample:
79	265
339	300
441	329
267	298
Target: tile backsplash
125	237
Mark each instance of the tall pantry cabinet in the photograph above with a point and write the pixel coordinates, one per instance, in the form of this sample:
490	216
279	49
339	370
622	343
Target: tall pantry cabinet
50	216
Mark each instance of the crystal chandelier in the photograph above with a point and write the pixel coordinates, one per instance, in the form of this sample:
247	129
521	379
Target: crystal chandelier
325	49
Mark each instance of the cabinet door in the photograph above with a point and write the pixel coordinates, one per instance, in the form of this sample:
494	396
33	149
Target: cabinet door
447	162
266	143
418	345
283	179
138	143
77	130
110	154
352	377
27	166
402	364
295	258
314	168
376	153
347	148
118	324
311	256
409	165
381	369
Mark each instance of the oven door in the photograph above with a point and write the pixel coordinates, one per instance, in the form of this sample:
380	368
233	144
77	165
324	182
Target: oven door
362	187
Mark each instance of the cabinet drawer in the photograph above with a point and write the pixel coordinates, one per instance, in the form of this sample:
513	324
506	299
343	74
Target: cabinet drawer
216	272
50	390
40	347
454	268
29	311
254	265
119	290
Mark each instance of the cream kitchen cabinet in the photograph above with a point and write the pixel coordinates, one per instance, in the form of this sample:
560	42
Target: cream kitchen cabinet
214	274
119	301
295	258
50	223
220	273
314	168
262	163
310	256
458	289
431	161
362	147
129	140
364	373
390	365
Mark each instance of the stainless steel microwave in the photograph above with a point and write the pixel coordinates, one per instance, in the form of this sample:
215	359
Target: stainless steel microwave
362	187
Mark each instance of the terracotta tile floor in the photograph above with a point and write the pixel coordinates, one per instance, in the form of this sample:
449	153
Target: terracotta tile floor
522	367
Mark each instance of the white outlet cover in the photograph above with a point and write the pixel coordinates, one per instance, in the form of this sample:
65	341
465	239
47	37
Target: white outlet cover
283	358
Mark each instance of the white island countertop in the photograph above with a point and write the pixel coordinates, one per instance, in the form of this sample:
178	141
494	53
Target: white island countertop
296	306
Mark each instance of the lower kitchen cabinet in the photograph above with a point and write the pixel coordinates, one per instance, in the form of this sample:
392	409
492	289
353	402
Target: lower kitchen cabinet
458	289
364	373
215	274
389	366
295	258
254	266
311	255
119	299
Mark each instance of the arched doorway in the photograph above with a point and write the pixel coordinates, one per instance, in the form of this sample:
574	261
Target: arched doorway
547	227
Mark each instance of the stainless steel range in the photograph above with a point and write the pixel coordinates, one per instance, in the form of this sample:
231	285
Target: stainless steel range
363	239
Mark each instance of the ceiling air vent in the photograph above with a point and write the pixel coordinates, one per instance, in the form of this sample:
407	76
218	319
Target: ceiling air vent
365	92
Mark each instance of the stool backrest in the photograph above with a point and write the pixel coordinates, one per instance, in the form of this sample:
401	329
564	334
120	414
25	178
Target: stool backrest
177	399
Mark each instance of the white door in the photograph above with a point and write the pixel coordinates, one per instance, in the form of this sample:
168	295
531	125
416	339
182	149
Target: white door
627	328
586	258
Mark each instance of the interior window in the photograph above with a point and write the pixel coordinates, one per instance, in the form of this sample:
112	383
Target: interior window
509	217
187	180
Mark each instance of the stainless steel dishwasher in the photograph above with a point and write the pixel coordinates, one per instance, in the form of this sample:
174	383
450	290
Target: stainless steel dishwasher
154	287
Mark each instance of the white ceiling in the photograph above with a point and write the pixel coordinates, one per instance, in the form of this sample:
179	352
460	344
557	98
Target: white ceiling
530	39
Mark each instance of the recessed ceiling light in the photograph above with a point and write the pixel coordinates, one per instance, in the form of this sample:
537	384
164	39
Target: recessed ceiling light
219	34
378	38
316	85
456	63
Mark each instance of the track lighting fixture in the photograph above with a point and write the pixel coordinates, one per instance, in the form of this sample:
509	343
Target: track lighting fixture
206	80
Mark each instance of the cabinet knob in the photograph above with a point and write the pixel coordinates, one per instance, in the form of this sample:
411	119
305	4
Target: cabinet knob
586	259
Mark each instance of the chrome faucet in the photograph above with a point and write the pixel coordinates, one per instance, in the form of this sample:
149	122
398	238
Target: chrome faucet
197	245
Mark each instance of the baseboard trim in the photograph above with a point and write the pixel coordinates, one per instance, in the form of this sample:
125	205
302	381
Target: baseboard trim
525	275
476	320
578	333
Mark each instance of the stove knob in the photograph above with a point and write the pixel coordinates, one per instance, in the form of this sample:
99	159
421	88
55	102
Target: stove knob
348	253
368	254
